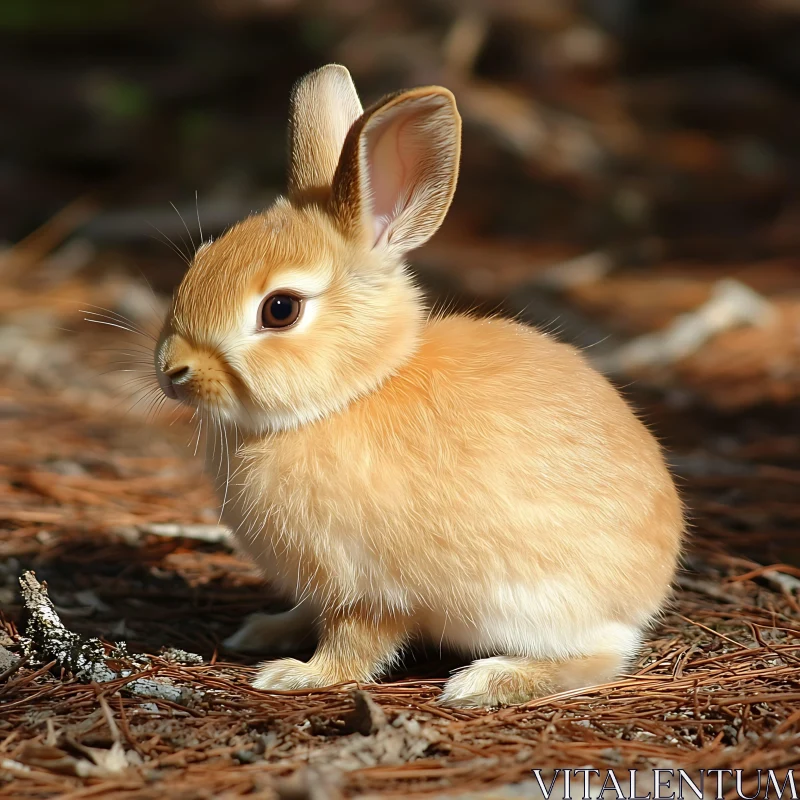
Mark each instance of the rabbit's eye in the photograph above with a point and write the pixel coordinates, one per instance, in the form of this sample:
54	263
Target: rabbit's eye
280	310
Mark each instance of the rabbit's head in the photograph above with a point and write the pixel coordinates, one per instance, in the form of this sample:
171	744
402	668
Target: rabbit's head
296	311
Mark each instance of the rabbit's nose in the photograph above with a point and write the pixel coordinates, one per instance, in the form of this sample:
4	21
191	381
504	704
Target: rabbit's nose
178	375
174	376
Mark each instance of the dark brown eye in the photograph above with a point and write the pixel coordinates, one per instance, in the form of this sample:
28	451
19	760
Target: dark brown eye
280	310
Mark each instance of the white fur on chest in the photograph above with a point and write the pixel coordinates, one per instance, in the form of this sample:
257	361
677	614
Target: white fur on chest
301	549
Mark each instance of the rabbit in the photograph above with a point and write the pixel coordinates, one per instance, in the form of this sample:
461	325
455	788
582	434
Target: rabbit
400	474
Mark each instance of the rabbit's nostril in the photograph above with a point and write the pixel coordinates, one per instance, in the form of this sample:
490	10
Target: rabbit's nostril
178	374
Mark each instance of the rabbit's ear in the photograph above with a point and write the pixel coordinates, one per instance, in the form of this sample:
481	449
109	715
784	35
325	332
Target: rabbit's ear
323	106
398	170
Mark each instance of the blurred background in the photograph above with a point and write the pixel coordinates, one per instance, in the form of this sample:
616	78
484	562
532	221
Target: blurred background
621	157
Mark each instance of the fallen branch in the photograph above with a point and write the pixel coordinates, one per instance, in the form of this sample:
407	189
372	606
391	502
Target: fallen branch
84	658
731	305
214	534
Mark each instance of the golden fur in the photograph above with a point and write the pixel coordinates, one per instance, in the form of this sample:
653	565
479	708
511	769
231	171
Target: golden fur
470	481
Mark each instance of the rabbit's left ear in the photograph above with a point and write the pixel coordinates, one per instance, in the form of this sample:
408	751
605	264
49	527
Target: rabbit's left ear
323	106
398	170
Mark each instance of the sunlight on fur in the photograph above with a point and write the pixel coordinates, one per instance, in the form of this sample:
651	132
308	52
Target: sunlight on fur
469	481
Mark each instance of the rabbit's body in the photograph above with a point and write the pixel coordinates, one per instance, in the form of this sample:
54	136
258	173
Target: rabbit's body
470	481
478	495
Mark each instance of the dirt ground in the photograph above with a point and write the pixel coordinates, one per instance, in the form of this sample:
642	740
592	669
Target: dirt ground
102	498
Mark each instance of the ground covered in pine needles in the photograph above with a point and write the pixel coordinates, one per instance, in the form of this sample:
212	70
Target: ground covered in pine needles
106	504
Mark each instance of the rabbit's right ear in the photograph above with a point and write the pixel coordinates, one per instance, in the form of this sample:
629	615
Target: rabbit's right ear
323	106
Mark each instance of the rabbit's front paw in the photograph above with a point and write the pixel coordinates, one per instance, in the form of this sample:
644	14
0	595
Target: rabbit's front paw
288	673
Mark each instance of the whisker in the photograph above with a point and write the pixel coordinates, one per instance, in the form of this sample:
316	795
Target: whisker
141	377
133	386
213	438
237	435
115	315
166	240
118	319
180	217
109	311
146	396
148	407
175	414
156	408
153	411
130	358
113	371
199	433
228	472
197	208
112	324
145	357
145	348
144	365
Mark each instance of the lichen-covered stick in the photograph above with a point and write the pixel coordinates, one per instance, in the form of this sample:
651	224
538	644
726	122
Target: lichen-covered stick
86	659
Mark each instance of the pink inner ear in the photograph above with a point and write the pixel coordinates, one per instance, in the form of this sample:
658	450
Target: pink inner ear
390	159
407	168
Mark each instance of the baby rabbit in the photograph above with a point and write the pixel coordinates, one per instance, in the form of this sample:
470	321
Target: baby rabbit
469	481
